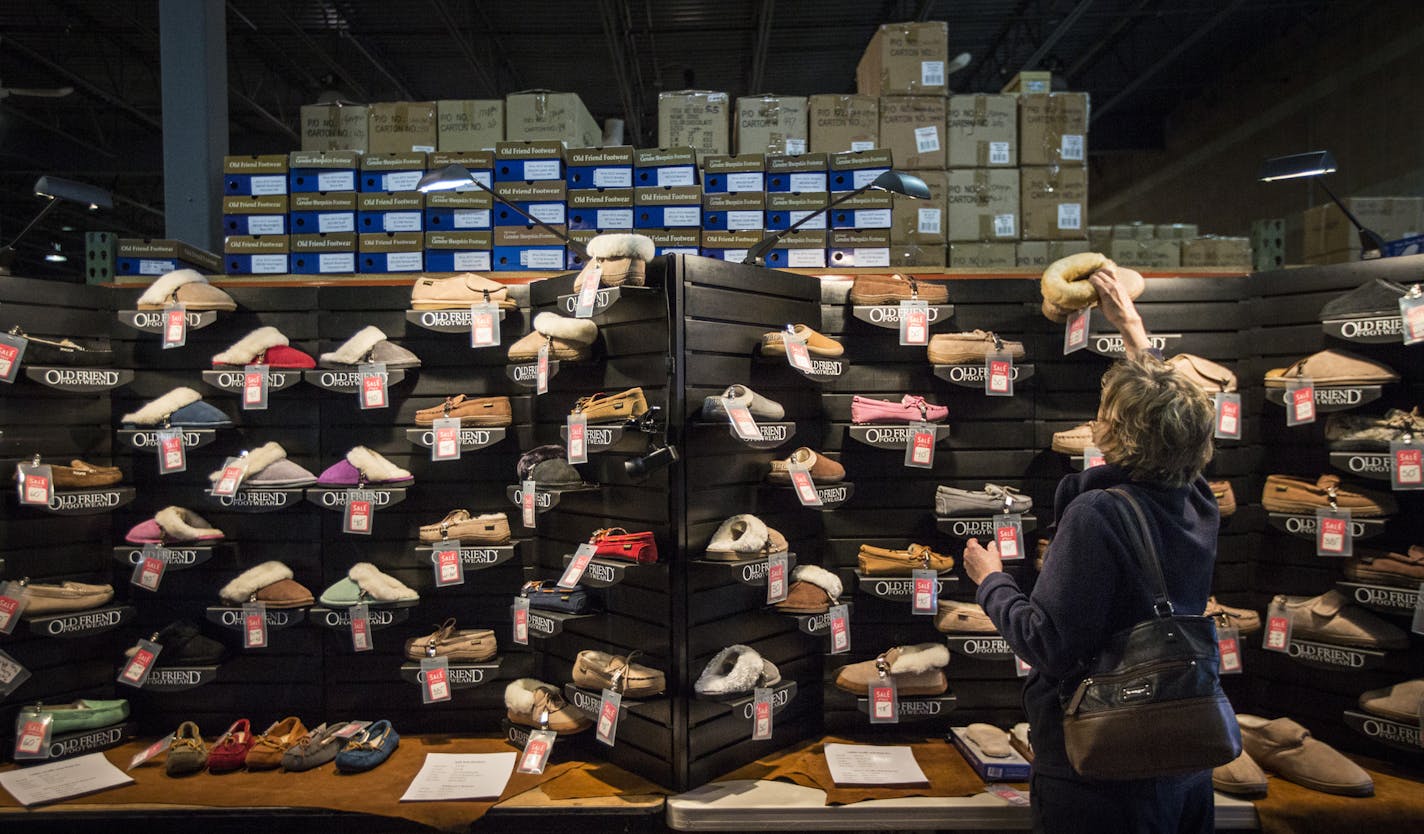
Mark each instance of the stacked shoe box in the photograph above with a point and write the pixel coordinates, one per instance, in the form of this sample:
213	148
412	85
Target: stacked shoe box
672	166
255	214
733	204
530	174
322	221
849	246
390	220
600	186
152	257
459	223
796	186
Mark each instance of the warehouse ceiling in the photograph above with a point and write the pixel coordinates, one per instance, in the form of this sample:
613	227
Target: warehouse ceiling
1139	59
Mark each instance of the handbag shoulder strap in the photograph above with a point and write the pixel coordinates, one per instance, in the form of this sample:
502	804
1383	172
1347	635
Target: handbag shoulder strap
1135	522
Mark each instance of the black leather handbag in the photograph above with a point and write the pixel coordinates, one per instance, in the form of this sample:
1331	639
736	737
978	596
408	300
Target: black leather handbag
1151	703
546	596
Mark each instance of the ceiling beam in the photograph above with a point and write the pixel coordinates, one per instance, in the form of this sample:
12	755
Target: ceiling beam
380	66
616	31
457	34
84	84
1068	21
337	68
756	78
1124	23
16	112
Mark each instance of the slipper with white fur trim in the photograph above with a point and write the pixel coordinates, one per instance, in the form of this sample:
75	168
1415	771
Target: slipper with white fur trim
368	345
187	287
179	408
917	670
813	591
364	467
364	582
734	672
532	703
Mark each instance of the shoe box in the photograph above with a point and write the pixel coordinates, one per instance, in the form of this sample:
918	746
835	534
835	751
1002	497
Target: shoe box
1011	768
734	174
610	167
806	173
256	254
151	256
390	172
665	166
852	169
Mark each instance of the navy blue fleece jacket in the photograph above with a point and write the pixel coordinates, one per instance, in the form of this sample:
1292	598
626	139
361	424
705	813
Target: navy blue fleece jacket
1092	587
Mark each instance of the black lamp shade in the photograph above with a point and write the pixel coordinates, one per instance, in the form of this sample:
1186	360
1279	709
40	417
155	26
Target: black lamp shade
1309	164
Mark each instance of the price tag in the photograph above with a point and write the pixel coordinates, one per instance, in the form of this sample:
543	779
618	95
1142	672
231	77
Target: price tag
608	717
741	420
840	628
541	370
1300	401
1411	309
359	514
434	679
1278	628
12	350
574	572
13	599
232	472
999	374
776	587
527	511
805	489
1008	534
148	573
171	455
449	569
761	713
254	388
32	734
254	625
1407	465
1228	416
446	439
588	293
1092	456
12	674
373	390
920	446
1075	332
914	322
150	751
536	751
578	438
796	353
884	702
135	673
1021	667
175	326
484	325
1332	532
361	627
925	598
35	482
1228	646
520	615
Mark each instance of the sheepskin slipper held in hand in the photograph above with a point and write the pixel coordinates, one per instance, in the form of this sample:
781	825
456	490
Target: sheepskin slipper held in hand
370	345
180	408
917	670
569	339
268	468
532	703
744	536
264	346
269	583
186	287
1066	289
618	259
174	525
734	672
362	468
364	582
813	591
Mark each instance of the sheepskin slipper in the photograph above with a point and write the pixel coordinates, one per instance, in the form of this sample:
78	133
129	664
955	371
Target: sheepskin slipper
1065	287
264	346
569	339
363	467
617	259
174	525
744	536
186	287
364	582
813	591
532	703
918	670
180	408
269	583
991	741
734	672
370	345
268	468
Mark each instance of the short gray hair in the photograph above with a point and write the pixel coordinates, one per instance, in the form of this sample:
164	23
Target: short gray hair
1157	424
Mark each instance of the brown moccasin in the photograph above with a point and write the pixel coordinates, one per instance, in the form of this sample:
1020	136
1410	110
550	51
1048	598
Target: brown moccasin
918	670
969	347
601	670
1331	618
459	645
1286	494
472	411
822	469
963	618
81	475
1400	570
774	343
1332	368
890	289
885	561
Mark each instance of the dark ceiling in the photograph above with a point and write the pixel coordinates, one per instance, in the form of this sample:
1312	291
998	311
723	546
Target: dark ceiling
1138	58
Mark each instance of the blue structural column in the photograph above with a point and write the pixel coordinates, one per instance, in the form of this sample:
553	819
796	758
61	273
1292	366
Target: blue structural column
193	39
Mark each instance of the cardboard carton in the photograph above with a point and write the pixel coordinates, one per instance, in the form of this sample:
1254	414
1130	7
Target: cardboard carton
903	255
1054	203
335	127
770	124
983	131
1099	238
698	119
982	204
1175	231
923	222
544	114
1040	253
469	124
1327	229
1136	230
1030	81
982	255
912	128
1146	254
1232	252
905	59
1053	129
402	127
844	123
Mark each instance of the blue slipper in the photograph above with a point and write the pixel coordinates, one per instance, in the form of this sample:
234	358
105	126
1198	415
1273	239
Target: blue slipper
368	748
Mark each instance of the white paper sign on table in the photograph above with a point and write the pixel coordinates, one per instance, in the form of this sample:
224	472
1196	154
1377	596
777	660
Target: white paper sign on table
863	764
63	779
460	776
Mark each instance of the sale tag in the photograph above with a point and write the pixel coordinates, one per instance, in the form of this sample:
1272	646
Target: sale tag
796	354
914	322
32	734
1009	794
608	716
12	350
536	751
999	374
1406	464
805	489
1228	416
925	597
1092	456
1075	332
175	326
741	420
840	628
449	569
35	482
446	443
13	599
541	370
12	674
135	673
1332	532
761	713
1008	534
1411	309
231	475
373	391
1228	646
434	679
884	703
574	572
359	513
520	615
920	446
578	438
1278	628
148	573
776	587
254	388
171	455
361	627
254	625
1300	401
1021	667
150	751
484	325
527	511
588	293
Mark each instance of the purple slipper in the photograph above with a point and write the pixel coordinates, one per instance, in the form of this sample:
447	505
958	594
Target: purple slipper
363	467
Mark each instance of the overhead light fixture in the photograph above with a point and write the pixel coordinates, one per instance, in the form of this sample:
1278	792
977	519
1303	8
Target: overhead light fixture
896	182
456	176
1314	165
55	190
55	256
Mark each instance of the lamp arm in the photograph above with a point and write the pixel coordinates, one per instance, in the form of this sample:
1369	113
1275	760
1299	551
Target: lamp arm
764	246
49	207
1369	238
578	248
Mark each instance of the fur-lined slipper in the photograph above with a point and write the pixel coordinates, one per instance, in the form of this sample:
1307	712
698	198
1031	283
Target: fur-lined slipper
269	583
617	259
364	582
364	467
182	408
734	672
174	525
813	591
188	287
744	536
530	702
917	669
369	344
264	346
